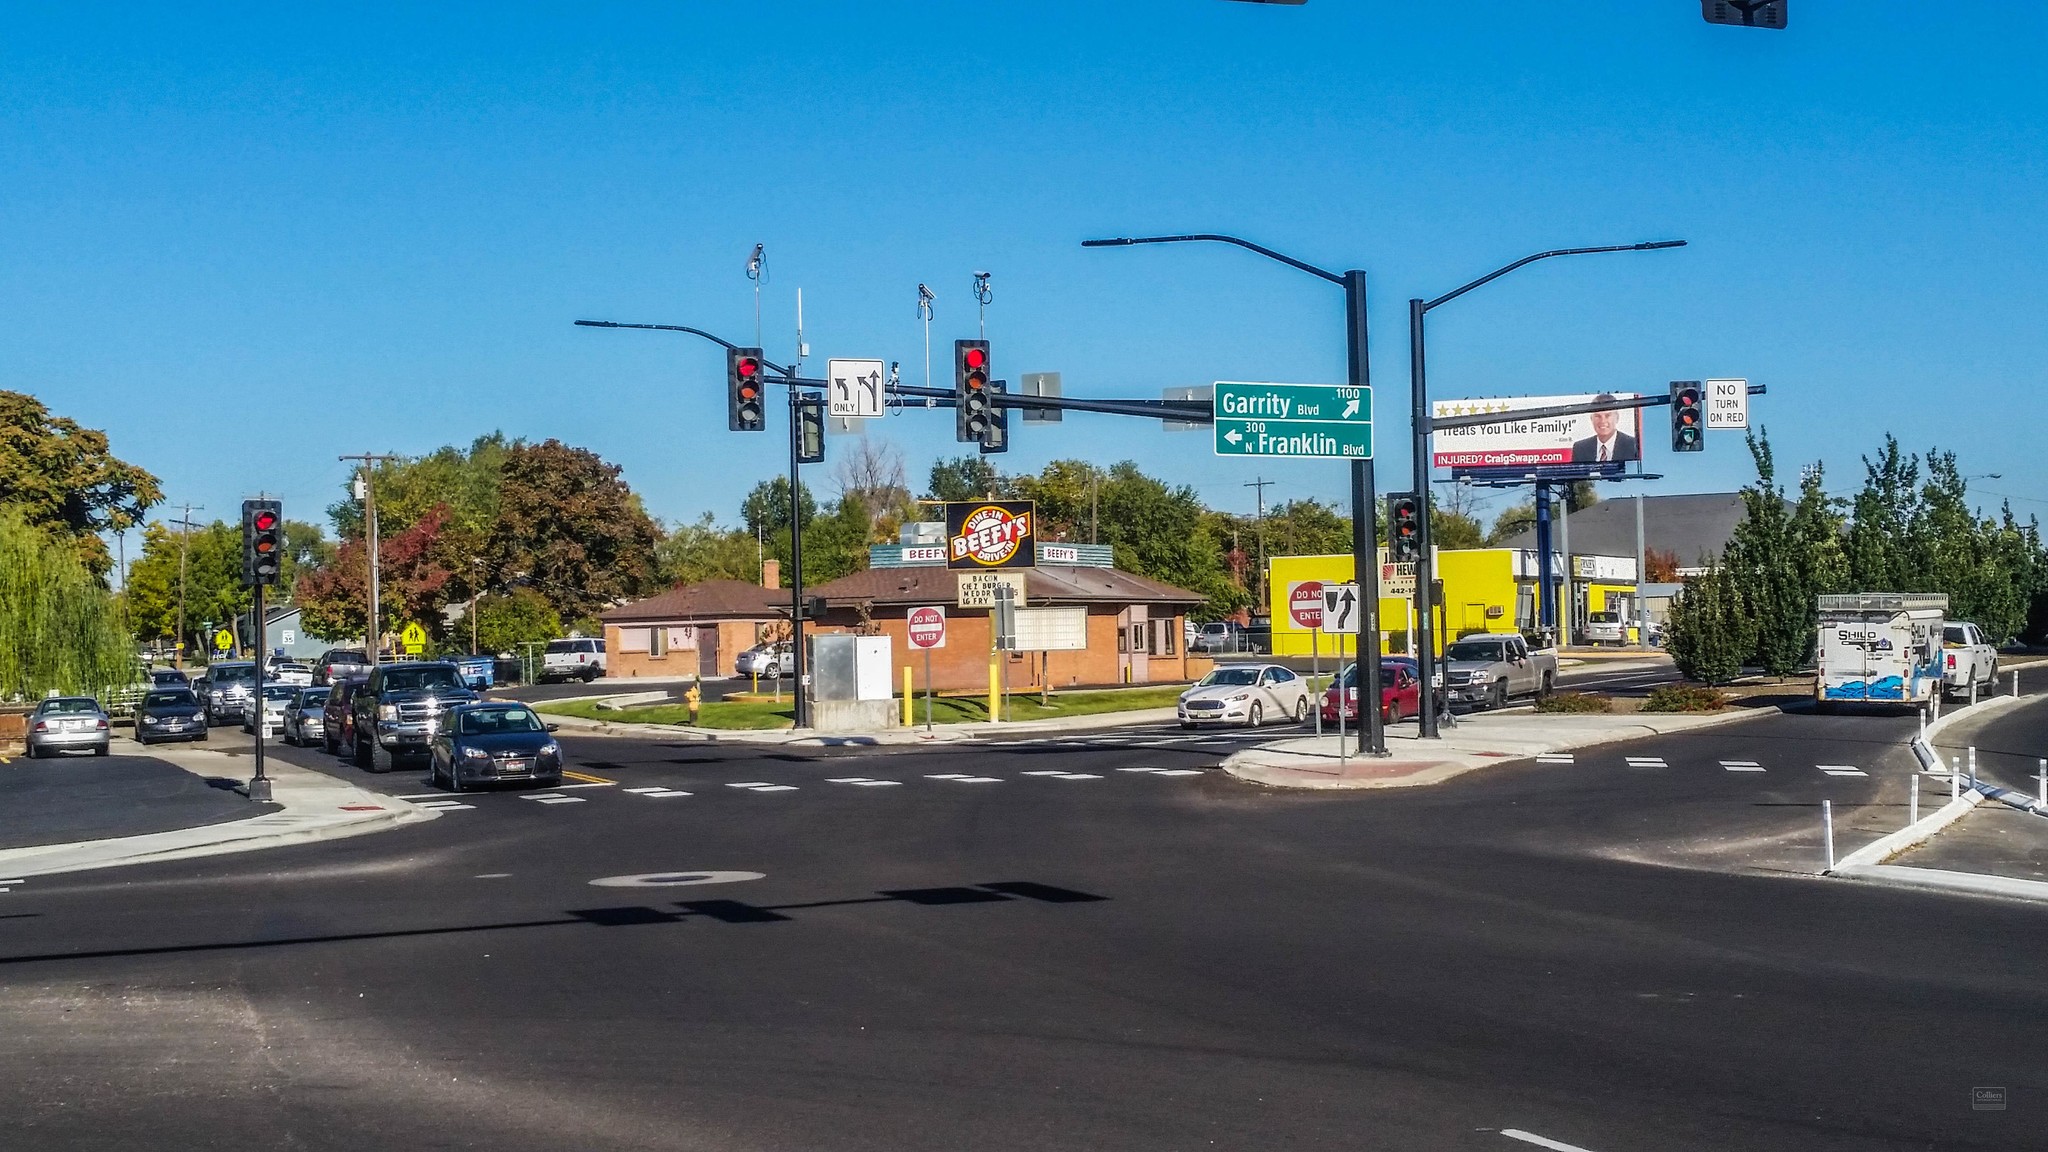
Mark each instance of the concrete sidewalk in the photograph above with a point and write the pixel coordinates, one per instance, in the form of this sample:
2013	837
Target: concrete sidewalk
1478	740
312	806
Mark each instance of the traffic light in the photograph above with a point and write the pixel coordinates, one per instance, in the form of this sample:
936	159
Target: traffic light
997	437
745	411
1688	418
971	413
1748	13
1404	528
262	541
810	430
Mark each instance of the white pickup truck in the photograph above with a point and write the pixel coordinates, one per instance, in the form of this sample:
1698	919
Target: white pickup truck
1968	661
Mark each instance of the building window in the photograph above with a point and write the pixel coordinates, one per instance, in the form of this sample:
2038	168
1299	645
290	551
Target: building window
1123	642
1151	637
657	642
1172	630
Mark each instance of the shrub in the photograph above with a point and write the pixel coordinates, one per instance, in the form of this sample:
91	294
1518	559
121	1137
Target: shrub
1684	698
1574	702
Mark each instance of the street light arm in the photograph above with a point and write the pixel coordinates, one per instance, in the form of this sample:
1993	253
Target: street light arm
1500	272
727	344
1122	241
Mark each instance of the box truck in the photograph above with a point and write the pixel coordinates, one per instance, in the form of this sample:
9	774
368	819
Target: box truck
1881	647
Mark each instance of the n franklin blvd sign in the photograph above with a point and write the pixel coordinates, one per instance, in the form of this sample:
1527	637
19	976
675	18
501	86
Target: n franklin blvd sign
1310	420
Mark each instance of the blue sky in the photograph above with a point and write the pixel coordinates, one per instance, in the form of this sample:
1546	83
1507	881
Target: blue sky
372	232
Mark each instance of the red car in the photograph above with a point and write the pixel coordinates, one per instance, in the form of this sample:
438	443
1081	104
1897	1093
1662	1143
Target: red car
1400	694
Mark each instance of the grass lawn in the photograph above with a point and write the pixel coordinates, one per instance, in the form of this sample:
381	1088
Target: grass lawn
767	714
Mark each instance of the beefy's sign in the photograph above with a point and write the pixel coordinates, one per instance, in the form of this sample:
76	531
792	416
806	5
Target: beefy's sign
991	534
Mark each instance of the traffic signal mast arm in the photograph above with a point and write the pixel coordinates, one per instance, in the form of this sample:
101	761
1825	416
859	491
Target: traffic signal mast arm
1440	423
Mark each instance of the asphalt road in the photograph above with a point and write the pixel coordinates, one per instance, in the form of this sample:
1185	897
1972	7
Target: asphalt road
1046	944
74	797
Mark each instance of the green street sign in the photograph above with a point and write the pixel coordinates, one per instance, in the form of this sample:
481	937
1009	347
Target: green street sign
1308	420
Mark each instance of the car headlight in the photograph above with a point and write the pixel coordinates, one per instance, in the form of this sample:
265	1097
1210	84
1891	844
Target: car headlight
387	711
551	749
1240	698
1481	676
469	753
151	720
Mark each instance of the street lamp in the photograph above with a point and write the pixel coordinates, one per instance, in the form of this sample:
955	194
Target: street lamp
1365	564
1425	656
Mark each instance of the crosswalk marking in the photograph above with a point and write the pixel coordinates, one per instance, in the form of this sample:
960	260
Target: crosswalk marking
645	791
552	798
1742	766
1076	776
763	786
864	782
445	805
1178	772
1556	758
1647	762
1053	772
1841	770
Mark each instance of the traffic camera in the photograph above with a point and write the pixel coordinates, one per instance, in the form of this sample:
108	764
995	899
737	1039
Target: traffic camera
1688	417
262	541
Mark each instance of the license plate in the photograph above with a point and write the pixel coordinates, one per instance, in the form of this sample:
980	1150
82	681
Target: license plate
515	765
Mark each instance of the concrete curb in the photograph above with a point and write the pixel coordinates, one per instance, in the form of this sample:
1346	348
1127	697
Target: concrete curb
1279	768
893	737
1912	835
314	807
1939	880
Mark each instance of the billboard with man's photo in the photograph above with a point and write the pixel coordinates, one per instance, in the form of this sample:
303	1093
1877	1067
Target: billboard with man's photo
1593	438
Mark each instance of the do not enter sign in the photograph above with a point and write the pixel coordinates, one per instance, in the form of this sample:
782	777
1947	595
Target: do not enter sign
927	628
1305	603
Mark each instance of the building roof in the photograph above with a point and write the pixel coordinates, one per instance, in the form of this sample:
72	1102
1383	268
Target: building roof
1691	526
1045	584
710	600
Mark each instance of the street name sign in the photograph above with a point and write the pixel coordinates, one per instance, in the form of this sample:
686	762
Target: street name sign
978	589
1305	603
1340	609
1727	404
928	627
856	389
1331	421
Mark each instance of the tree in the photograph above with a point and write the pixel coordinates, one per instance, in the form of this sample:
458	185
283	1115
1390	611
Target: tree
1307	528
1158	532
1763	563
700	550
871	471
1881	523
1512	521
963	478
64	480
60	629
413	584
1661	567
464	482
506	623
568	527
1709	632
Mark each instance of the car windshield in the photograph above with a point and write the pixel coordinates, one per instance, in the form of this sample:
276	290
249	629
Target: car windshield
430	676
1474	650
227	672
556	646
498	721
173	699
1230	676
313	699
69	706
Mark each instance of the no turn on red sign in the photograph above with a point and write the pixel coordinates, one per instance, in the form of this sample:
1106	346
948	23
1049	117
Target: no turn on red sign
1305	603
927	628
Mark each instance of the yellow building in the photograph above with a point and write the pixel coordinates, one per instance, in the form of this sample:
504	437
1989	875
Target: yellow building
1485	590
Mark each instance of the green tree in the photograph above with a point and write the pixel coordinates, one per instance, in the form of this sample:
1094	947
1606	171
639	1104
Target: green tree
1762	561
65	480
1159	532
60	629
507	622
962	478
1709	630
1881	526
570	528
699	550
1307	528
463	482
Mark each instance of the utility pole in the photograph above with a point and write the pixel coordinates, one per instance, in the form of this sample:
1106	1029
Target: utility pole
1262	484
184	545
373	632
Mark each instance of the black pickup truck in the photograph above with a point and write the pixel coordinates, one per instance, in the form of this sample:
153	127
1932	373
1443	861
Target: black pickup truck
397	712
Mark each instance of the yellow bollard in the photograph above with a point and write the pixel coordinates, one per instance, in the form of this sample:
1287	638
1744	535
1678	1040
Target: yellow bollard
995	690
907	690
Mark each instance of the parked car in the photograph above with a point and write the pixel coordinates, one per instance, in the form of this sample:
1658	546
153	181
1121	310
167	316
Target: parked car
1218	636
337	728
305	715
398	710
1487	669
275	698
1244	694
1605	628
770	660
490	743
168	678
1400	693
578	658
169	714
223	689
289	672
68	724
479	670
338	662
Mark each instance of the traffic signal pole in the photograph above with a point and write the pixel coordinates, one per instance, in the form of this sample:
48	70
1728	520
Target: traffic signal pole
802	718
1372	737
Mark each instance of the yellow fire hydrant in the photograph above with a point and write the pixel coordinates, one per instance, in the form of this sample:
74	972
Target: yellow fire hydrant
694	696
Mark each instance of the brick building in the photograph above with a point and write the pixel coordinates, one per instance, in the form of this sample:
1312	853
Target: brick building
1133	626
693	629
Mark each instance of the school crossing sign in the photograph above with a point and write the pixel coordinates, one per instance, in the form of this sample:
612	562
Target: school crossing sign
1326	421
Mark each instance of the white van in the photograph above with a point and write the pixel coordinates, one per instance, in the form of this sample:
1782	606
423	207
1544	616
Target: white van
580	658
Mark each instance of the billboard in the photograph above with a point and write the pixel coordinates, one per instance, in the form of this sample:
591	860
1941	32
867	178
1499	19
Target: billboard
991	534
1592	438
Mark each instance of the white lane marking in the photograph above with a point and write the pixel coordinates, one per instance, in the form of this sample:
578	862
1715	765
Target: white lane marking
1742	766
979	780
674	879
1541	1141
445	805
662	793
950	776
847	780
1556	758
1841	770
556	799
492	876
648	791
764	786
1054	772
1128	770
593	784
1076	776
1177	772
1647	762
877	783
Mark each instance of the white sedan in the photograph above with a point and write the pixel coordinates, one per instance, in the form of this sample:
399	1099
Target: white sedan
1245	694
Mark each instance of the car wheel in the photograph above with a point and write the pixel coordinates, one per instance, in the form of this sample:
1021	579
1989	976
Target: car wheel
455	778
327	743
1543	692
202	737
102	750
1392	714
1254	716
1301	710
35	753
359	754
1500	695
774	672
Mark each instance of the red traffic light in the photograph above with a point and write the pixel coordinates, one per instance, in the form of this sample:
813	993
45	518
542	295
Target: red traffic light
746	367
975	358
265	521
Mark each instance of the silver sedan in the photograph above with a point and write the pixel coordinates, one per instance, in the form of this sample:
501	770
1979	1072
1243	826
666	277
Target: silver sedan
1247	694
67	724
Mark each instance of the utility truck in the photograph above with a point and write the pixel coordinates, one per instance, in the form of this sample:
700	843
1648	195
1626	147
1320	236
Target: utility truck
1882	647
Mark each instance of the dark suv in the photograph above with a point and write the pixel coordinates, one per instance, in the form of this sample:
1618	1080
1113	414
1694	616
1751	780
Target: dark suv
337	727
397	711
338	662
